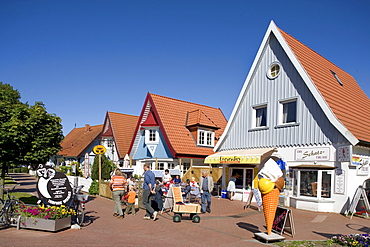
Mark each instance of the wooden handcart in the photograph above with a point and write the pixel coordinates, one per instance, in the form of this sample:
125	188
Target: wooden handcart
180	208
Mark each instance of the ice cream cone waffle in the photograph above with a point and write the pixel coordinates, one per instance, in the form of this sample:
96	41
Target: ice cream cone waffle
270	202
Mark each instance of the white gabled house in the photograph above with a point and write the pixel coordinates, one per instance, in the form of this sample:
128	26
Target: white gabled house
299	107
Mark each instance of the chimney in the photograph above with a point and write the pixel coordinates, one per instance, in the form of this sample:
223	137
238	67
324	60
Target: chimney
87	127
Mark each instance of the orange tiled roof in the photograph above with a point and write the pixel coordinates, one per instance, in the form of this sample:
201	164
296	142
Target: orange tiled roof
123	128
348	102
79	139
172	115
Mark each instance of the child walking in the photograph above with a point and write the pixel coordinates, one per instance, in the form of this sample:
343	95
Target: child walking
131	201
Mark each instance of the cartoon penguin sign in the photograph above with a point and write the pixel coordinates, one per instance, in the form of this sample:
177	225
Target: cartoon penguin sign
53	187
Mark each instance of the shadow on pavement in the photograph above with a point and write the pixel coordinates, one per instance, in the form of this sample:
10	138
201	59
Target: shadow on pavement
326	235
358	227
248	227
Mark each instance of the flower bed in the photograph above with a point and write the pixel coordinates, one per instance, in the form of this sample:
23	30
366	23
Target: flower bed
45	218
352	240
46	212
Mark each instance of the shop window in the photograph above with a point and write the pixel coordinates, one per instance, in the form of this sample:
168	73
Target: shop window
312	183
326	184
244	177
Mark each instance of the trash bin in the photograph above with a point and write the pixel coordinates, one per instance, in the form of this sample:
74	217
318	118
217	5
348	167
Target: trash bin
223	194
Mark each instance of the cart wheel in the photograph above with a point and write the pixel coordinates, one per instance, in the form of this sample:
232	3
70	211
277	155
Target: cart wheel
177	218
196	218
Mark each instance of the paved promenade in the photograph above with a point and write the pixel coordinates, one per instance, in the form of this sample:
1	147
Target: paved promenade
227	225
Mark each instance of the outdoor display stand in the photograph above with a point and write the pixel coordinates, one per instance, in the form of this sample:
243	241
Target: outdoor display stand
283	221
359	195
179	207
257	196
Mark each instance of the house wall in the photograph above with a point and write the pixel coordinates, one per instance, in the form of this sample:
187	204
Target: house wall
313	126
312	130
142	151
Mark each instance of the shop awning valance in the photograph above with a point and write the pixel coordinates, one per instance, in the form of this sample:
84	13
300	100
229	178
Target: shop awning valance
313	166
241	156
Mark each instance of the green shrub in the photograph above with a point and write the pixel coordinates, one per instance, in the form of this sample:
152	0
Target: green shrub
94	188
24	170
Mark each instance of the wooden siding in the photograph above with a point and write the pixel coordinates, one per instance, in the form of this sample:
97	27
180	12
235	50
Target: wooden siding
313	126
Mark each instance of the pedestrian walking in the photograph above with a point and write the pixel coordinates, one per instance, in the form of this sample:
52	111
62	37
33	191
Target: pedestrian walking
118	185
131	196
148	192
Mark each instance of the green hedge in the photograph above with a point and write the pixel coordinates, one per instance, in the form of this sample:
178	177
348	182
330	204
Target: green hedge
18	170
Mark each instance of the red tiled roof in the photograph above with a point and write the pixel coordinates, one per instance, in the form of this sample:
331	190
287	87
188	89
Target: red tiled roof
172	115
348	102
79	139
123	128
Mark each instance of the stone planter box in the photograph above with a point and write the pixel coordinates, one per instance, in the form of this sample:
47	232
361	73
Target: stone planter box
45	225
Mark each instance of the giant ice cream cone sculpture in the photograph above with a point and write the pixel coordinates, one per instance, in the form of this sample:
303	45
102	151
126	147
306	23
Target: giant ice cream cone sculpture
270	185
270	203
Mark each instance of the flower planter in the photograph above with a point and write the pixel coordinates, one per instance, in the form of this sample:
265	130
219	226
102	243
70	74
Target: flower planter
45	225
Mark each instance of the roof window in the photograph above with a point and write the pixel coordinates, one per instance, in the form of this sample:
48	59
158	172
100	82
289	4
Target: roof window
336	77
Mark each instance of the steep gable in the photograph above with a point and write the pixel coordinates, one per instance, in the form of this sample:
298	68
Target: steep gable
172	115
121	127
337	102
79	139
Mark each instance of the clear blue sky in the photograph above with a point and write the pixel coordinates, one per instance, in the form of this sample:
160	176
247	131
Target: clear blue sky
82	58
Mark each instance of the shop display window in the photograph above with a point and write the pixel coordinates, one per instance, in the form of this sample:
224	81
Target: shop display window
244	177
312	183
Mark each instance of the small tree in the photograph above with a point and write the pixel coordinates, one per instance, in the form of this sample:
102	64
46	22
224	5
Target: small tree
106	168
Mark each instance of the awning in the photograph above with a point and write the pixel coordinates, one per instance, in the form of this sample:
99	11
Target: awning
241	156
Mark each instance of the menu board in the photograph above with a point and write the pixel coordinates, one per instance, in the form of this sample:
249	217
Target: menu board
283	221
339	182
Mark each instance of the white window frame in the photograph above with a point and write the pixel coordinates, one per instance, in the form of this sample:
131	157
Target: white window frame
148	134
255	117
282	118
319	190
271	70
208	138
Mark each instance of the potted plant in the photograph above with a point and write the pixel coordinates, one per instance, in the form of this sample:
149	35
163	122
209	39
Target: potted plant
45	218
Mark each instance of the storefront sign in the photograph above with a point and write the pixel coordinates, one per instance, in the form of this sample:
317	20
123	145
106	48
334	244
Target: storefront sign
339	181
312	154
248	159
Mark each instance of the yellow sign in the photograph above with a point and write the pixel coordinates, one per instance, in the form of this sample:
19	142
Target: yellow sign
248	159
99	149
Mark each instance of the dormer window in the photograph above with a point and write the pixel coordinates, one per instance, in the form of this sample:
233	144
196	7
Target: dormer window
151	136
206	138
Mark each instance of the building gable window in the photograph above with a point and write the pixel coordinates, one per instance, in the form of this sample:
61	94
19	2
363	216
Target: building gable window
260	117
151	136
206	138
288	111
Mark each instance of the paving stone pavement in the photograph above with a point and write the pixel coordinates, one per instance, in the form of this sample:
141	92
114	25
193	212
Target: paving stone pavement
229	224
